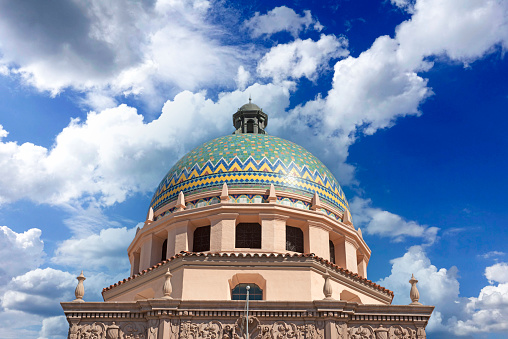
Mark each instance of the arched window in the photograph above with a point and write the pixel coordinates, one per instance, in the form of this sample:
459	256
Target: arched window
164	251
201	240
248	235
332	252
240	292
294	239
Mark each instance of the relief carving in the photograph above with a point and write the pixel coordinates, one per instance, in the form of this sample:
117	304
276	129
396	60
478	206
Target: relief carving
73	329
341	330
238	330
381	332
210	330
361	332
132	330
91	331
153	329
400	332
311	330
420	333
174	327
113	331
282	330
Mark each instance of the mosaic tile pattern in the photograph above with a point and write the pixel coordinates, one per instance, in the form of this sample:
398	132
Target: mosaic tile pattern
248	198
202	202
253	161
330	214
293	203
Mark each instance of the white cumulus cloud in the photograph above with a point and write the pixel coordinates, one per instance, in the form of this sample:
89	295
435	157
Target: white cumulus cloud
107	249
281	19
462	30
454	315
54	328
39	292
301	58
438	287
487	312
115	47
114	153
497	273
21	252
377	221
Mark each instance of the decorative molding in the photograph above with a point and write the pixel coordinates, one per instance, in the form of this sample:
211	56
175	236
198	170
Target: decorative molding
175	319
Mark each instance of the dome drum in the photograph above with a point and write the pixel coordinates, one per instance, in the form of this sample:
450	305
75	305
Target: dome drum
319	229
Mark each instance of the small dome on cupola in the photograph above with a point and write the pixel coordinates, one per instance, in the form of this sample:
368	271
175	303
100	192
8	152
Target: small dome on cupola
250	119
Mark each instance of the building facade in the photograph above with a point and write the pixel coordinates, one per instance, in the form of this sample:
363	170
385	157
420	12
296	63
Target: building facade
247	213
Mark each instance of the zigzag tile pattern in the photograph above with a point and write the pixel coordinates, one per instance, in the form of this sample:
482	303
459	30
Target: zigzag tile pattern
249	160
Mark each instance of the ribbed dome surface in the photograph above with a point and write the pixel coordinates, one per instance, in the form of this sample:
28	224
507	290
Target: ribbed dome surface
249	161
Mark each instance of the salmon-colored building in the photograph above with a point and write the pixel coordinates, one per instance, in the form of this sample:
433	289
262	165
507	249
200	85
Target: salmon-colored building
247	214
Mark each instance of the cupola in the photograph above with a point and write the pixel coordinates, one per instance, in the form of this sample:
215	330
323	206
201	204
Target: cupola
250	119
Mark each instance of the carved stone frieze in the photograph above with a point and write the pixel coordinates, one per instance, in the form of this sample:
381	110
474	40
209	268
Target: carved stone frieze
153	329
172	319
361	332
341	328
399	332
381	332
203	330
290	330
113	331
95	330
133	330
239	329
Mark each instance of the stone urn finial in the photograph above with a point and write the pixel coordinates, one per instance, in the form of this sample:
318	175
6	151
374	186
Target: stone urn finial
113	331
414	294
327	288
167	288
80	289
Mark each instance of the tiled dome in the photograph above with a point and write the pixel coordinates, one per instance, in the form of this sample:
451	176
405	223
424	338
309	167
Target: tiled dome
250	161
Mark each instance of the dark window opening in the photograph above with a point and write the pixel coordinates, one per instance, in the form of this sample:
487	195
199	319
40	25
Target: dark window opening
250	126
164	253
248	235
294	239
332	252
201	240
240	292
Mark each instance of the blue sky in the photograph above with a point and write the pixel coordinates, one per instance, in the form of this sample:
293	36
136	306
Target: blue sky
404	101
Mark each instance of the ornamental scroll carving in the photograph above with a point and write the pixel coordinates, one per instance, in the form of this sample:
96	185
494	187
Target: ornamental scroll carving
361	332
208	330
91	331
399	332
283	330
132	330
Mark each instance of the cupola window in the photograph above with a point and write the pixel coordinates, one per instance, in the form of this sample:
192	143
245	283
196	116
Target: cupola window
294	239
201	240
332	252
250	126
240	292
248	235
164	252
